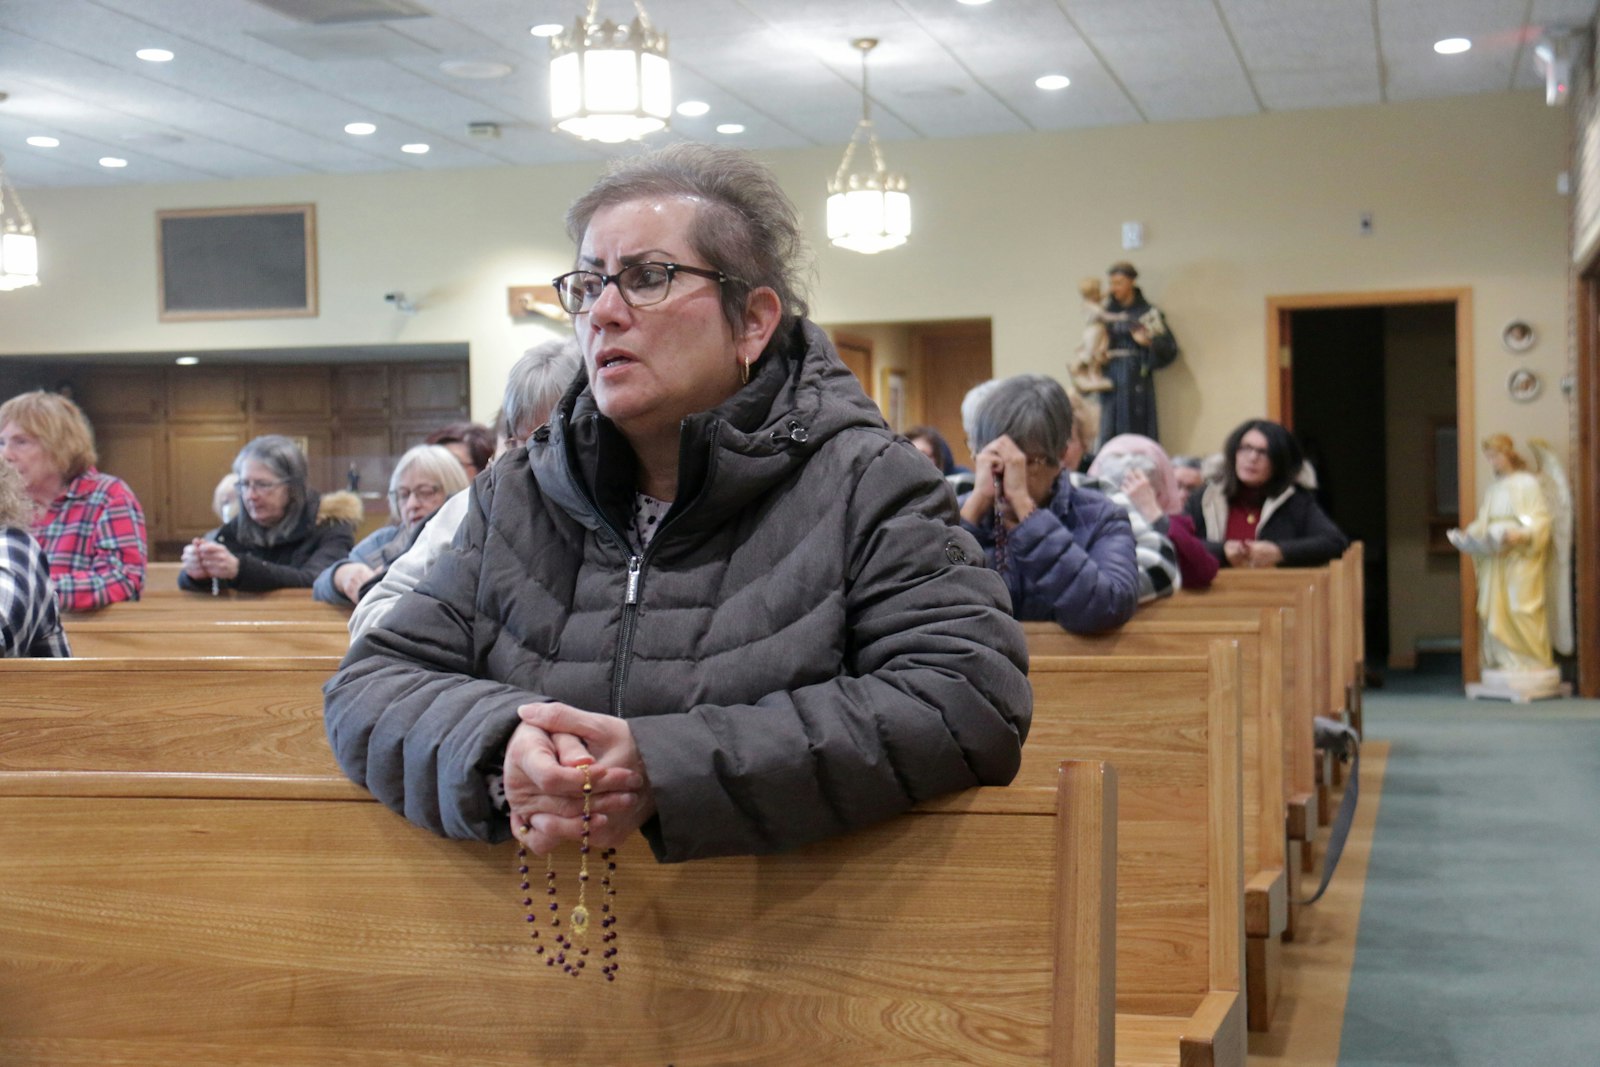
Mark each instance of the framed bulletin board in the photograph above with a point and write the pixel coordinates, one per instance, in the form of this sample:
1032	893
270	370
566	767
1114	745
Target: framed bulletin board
237	263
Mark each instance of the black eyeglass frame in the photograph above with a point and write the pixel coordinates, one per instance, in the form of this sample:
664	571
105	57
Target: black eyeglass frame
564	287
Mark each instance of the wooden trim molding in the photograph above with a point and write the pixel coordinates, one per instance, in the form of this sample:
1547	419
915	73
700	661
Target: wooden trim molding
1278	311
1586	479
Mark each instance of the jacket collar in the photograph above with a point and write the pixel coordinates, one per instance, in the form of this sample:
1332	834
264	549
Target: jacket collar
727	456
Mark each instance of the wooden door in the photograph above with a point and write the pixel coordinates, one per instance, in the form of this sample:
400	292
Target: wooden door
951	358
856	352
198	456
136	453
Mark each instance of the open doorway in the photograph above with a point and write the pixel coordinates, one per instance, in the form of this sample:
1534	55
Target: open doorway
918	372
1377	388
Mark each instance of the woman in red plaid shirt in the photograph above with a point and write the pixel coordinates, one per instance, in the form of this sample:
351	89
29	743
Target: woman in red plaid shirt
90	524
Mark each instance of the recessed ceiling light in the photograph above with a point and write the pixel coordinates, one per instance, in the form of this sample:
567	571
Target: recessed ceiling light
187	361
154	55
113	162
1053	81
415	149
1451	46
693	109
360	129
476	69
546	29
730	127
44	142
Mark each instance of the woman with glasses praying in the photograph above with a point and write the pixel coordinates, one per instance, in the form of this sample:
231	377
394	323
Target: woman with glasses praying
1259	513
423	480
89	524
716	572
1066	554
285	533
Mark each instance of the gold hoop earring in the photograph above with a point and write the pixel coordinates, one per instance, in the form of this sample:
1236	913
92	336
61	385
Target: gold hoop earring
744	370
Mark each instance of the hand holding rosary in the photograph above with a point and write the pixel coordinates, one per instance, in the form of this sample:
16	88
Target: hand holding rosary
570	952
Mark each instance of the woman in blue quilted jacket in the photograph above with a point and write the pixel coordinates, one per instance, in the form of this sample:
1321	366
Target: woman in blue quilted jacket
1067	553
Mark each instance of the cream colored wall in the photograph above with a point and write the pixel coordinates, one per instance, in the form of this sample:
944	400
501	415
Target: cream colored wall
1234	211
1419	384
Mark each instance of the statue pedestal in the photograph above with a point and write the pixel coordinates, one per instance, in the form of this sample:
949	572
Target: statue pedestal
1519	687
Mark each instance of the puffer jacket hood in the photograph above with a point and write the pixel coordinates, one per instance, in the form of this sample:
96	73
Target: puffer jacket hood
747	445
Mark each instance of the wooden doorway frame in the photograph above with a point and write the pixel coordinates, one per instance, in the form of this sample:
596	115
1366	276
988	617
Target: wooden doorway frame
1585	477
1279	368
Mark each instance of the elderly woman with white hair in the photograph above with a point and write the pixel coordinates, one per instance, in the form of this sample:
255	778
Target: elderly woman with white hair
285	533
533	387
423	480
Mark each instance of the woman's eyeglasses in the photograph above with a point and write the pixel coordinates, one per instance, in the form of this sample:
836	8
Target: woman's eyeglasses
258	486
425	494
641	284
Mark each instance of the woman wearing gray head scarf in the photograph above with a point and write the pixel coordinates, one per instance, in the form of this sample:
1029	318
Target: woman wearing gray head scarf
285	533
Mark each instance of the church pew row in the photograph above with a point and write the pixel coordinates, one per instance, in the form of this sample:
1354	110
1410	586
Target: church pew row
190	875
1268	880
1170	725
114	635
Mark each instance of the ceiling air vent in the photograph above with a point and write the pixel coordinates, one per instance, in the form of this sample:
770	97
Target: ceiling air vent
336	12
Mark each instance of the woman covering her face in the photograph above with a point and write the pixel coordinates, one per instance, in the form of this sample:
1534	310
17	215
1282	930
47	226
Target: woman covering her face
423	480
1139	469
715	572
1257	514
285	533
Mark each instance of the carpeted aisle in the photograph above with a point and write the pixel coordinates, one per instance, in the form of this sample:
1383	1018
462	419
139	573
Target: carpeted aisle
1479	940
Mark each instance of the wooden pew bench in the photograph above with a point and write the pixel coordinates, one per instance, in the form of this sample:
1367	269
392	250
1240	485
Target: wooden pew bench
131	635
1268	880
1170	726
190	877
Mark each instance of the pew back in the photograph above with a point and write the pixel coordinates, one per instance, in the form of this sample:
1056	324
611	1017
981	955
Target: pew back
188	878
1170	725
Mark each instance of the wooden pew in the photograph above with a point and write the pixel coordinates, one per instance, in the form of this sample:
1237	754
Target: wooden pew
1170	725
133	635
1303	593
185	878
1268	879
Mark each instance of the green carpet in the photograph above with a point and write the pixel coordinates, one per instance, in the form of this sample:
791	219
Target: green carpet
1480	926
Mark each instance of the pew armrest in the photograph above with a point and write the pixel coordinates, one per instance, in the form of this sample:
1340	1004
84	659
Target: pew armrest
1215	1036
1266	903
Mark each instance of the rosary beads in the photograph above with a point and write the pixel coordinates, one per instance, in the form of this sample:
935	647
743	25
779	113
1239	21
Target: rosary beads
567	942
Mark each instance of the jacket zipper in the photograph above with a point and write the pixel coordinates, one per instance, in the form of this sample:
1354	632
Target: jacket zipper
630	611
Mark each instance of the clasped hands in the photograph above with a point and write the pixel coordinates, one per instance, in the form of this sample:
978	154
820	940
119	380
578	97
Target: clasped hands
207	559
544	778
1252	554
1002	464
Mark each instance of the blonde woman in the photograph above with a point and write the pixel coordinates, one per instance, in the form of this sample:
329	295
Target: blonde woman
423	480
30	624
89	524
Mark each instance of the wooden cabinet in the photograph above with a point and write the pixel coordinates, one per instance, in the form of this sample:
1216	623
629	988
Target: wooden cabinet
205	394
122	394
361	390
365	447
429	391
290	392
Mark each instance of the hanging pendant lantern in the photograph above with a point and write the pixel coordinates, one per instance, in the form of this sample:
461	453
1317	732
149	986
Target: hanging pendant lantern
608	82
869	210
19	248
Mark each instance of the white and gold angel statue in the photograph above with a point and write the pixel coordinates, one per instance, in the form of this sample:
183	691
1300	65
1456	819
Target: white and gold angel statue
1521	545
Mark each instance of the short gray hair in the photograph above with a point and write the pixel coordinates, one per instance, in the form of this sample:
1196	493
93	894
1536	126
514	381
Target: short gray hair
1032	410
434	461
746	225
536	383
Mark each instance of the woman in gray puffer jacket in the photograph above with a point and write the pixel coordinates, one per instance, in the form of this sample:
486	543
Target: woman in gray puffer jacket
745	602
